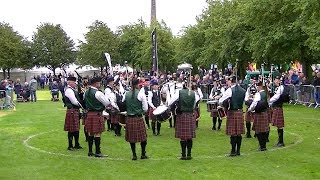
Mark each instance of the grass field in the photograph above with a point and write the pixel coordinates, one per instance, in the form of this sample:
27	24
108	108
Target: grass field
34	146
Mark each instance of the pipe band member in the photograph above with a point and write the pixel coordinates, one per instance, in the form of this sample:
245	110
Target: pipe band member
185	128
95	102
235	122
276	103
72	119
137	105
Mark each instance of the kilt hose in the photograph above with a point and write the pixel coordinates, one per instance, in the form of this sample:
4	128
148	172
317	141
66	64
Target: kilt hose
94	122
269	111
135	130
277	117
235	123
260	122
215	113
249	117
185	126
72	121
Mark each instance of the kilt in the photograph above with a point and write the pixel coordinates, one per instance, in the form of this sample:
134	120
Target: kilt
151	115
115	118
135	129
249	116
235	123
94	122
277	117
196	114
214	113
72	120
260	122
269	111
185	126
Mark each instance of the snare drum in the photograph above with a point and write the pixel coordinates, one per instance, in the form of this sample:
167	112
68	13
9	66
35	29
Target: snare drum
122	118
221	112
162	113
212	105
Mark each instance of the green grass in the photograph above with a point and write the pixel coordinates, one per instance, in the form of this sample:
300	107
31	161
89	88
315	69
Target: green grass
48	158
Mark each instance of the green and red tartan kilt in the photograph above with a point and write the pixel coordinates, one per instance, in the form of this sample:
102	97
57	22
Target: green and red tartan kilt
185	126
135	129
94	122
269	111
115	118
196	114
260	122
72	121
277	117
235	123
249	116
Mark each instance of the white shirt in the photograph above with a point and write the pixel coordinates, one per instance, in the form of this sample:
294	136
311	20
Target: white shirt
246	98
69	93
142	98
276	96
227	94
175	98
101	97
111	97
256	99
212	93
200	93
150	95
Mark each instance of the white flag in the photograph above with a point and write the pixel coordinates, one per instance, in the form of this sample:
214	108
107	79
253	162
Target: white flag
109	62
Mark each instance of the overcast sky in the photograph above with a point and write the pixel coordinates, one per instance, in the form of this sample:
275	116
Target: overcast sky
76	15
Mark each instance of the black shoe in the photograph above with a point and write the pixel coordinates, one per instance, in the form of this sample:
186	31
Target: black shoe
249	136
78	147
214	128
70	149
262	149
232	154
100	155
183	158
279	145
238	153
134	158
158	134
154	134
90	154
144	157
188	158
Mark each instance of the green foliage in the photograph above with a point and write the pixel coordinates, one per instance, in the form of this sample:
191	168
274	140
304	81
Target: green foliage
99	40
52	47
13	48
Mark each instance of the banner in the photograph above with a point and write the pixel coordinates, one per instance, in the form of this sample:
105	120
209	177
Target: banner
109	62
154	51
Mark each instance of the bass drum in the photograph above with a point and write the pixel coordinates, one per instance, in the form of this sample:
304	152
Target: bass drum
162	113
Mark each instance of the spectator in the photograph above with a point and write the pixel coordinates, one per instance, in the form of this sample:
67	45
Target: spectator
33	88
42	81
17	87
26	92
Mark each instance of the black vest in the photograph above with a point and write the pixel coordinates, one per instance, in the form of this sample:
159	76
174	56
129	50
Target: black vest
279	102
156	98
67	101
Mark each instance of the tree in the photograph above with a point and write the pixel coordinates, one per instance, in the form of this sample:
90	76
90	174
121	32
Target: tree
131	41
52	47
166	48
99	40
12	48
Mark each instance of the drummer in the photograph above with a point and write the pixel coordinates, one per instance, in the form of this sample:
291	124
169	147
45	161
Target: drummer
251	91
216	94
154	101
185	125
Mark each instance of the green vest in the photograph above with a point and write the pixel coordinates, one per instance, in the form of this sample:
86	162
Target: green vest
238	95
67	101
263	103
134	106
186	100
92	102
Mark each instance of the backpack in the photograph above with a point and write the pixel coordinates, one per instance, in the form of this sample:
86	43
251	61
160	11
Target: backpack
285	95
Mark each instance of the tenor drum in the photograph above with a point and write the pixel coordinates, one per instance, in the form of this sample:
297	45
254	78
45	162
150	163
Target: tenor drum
122	118
162	113
212	105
